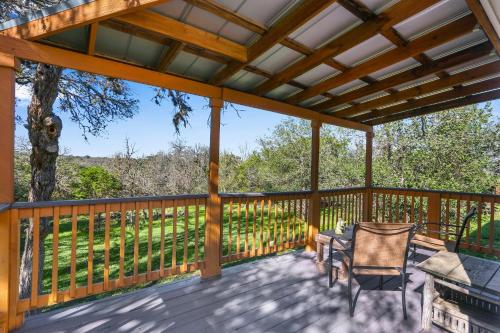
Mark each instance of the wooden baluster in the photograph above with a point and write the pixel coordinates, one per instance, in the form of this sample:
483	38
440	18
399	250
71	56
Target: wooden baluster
336	198
323	215
457	220
390	208
294	225
491	230
479	223
261	233
55	255
123	236
275	233
238	230
447	218
230	230
434	214
420	210
282	240
269	217
196	231
288	225
301	223
136	242
246	226
150	241
398	203
384	202
405	208
74	232
186	238
174	239
106	247
35	263
328	210
412	212
90	258
376	207
254	243
467	229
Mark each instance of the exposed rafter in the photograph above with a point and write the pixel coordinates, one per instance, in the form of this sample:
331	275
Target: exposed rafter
92	37
185	33
432	67
478	11
464	101
175	48
454	93
85	14
430	40
395	14
470	75
295	18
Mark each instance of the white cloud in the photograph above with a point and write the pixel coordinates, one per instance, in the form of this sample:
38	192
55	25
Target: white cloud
23	93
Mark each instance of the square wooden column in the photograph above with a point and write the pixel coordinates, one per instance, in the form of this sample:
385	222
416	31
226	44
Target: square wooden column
315	211
368	196
213	230
8	231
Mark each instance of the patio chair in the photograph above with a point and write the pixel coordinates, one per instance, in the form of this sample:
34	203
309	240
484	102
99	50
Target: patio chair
377	249
442	244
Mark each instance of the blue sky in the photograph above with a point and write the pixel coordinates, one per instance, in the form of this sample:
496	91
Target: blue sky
151	130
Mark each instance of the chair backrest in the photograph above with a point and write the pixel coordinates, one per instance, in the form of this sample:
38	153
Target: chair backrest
381	244
472	212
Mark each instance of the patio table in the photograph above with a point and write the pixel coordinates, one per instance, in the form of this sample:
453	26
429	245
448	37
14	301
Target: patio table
323	238
472	276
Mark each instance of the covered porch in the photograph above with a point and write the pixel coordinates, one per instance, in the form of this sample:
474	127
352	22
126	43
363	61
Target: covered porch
353	64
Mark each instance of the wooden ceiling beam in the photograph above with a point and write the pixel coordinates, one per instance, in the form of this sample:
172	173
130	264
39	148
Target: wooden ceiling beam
470	75
226	13
483	19
38	52
174	50
454	93
430	40
184	33
92	37
294	19
70	18
425	69
456	103
393	15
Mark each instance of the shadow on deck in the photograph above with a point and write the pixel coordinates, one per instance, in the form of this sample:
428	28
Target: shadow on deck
278	294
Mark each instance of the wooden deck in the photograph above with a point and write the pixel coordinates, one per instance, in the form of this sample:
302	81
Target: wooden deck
276	294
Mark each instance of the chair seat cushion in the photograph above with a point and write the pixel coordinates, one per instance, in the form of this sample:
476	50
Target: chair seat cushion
376	271
433	243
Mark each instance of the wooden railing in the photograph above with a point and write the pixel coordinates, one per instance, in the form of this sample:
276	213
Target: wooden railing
261	223
108	244
442	211
344	205
95	246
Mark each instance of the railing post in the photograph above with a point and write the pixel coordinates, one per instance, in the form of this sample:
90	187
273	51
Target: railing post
315	211
368	195
213	230
10	234
434	214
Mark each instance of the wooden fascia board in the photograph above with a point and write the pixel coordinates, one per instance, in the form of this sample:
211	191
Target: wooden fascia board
85	14
38	52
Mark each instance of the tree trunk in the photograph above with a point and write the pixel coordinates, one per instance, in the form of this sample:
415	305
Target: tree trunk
44	130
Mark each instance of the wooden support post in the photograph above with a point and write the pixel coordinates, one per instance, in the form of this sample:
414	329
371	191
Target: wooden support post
213	230
428	298
434	214
368	198
315	211
9	246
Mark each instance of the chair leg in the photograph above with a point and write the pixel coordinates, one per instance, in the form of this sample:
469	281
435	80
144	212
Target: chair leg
403	292
330	267
349	291
381	282
414	252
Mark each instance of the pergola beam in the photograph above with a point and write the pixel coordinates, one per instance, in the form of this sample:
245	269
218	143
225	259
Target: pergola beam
74	17
395	14
37	52
425	69
294	19
430	40
185	33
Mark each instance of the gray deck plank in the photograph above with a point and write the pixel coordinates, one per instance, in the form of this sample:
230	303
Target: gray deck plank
276	294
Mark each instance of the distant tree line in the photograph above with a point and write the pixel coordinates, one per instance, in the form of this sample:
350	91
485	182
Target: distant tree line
453	150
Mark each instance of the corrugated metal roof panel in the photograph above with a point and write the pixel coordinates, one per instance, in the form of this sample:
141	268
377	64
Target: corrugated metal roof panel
282	92
365	51
395	69
317	74
75	39
470	39
356	84
276	58
244	80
